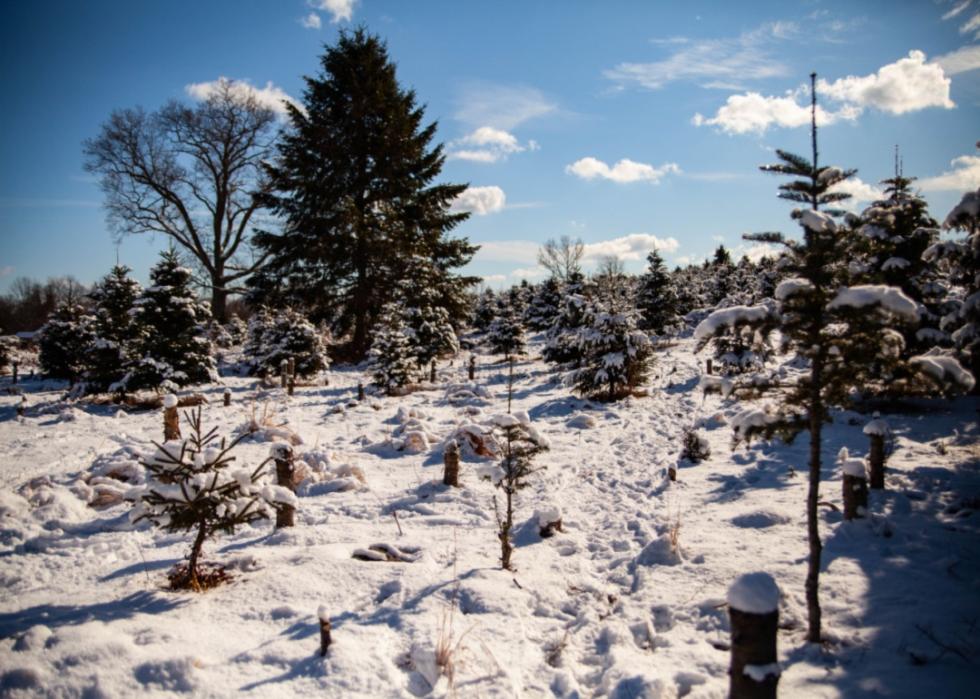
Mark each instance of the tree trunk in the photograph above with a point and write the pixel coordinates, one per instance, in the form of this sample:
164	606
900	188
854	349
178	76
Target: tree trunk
505	546
876	459
219	301
753	647
813	497
171	424
191	580
360	391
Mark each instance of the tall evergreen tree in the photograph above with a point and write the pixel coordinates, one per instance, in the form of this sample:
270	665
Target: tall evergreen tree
116	331
174	346
353	182
657	299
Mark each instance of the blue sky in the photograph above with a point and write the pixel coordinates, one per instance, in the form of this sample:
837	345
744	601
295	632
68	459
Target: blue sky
627	124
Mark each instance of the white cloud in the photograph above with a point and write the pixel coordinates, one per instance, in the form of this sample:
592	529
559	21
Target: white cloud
754	113
861	193
635	246
487	145
338	9
270	96
972	25
909	84
480	200
957	9
712	62
311	21
523	252
494	278
961	60
501	106
964	176
529	272
625	170
755	252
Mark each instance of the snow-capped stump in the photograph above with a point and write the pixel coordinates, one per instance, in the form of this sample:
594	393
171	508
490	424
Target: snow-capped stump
171	419
282	454
877	430
753	608
324	621
581	422
388	553
226	394
549	521
855	485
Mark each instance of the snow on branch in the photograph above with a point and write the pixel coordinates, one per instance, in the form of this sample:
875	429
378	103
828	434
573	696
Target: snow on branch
889	298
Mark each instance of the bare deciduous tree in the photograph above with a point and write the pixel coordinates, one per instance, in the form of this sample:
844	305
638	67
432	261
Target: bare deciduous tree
562	257
193	174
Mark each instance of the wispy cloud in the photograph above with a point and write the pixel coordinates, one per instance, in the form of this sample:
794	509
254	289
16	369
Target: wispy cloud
907	85
270	96
480	200
964	175
488	145
711	62
311	21
624	171
635	246
340	10
970	22
961	60
861	193
501	107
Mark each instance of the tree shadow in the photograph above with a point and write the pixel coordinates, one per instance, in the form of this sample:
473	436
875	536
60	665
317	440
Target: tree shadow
54	615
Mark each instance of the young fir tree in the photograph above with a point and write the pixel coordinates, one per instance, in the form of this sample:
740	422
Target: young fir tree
740	336
721	283
616	356
193	487
65	340
543	307
284	336
393	363
506	333
485	311
521	443
372	203
961	260
174	345
828	325
116	331
563	341
657	298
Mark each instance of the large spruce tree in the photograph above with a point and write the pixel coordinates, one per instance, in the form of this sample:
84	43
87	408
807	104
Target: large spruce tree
353	182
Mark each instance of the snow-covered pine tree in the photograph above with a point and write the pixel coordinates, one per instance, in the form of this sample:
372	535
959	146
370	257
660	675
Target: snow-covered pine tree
888	244
740	337
506	333
174	346
237	329
563	343
393	363
116	331
961	260
828	325
65	340
287	335
428	322
657	299
616	355
722	271
485	311
543	308
6	352
191	487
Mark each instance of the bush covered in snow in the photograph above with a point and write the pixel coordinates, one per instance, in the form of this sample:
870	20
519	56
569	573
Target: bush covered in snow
284	335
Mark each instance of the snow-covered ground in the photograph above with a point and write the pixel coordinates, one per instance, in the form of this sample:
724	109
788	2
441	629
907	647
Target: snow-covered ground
628	601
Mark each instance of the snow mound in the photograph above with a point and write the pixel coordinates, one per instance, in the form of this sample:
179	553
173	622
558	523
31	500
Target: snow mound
581	422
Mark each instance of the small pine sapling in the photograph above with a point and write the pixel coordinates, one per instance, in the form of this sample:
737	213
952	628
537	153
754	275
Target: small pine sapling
695	447
190	487
520	445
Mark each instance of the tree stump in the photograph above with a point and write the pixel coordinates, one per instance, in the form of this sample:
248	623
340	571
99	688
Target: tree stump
325	639
672	473
291	386
227	397
450	458
432	372
855	489
282	454
472	367
283	373
291	367
21	406
360	391
753	609
707	365
13	378
876	430
171	419
549	522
